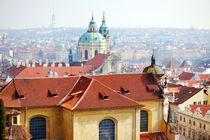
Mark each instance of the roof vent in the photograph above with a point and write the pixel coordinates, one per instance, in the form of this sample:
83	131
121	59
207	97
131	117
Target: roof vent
103	96
150	88
52	93
123	90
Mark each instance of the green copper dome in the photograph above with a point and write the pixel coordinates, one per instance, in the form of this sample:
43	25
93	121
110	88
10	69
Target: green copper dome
92	37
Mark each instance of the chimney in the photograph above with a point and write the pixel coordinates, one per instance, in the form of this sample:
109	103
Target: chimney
27	63
66	64
40	62
23	64
59	64
46	62
18	64
53	63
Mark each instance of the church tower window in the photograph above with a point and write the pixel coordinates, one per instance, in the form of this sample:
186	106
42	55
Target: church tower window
86	54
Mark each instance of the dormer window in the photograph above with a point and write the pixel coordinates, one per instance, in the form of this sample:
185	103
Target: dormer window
14	121
122	90
103	96
52	93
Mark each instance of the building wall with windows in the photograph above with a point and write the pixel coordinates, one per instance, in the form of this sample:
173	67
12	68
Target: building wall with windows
127	123
155	114
52	115
193	126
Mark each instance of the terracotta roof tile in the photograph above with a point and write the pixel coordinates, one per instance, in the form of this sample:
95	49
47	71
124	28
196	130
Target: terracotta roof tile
186	76
153	136
97	61
36	91
135	83
203	108
17	132
185	93
97	96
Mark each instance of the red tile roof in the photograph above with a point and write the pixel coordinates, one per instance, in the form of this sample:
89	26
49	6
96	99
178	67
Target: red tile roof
17	132
136	84
97	61
186	76
61	71
96	96
36	91
153	136
14	71
203	108
51	91
185	93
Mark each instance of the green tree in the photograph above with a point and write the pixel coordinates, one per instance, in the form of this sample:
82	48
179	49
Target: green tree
2	120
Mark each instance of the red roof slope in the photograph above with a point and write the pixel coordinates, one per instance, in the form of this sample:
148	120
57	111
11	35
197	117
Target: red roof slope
153	136
203	108
136	84
186	76
14	71
93	97
36	92
97	61
61	71
17	132
185	93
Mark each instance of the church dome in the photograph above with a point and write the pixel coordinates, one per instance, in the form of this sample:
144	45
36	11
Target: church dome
92	37
153	68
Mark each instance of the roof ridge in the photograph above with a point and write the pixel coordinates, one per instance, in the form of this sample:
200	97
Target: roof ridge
83	95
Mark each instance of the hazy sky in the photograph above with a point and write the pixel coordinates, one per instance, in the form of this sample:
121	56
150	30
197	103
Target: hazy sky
119	13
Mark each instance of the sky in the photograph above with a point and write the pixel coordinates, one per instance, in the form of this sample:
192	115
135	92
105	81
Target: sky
21	14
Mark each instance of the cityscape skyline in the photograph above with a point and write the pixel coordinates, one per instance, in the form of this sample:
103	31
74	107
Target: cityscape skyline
124	14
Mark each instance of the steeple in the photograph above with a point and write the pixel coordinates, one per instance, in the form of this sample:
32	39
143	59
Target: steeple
92	26
153	58
103	29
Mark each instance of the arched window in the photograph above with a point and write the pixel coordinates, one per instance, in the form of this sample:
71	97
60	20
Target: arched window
143	121
96	52
38	128
107	130
86	54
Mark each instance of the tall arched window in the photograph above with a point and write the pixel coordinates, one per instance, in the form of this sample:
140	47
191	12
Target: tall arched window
38	128
143	121
86	54
107	130
96	52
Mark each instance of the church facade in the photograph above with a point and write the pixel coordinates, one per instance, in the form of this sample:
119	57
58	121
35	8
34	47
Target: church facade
93	41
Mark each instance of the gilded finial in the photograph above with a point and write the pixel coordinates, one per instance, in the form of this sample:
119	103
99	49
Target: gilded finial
92	14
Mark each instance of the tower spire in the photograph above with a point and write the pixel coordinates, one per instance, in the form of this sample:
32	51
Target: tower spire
153	58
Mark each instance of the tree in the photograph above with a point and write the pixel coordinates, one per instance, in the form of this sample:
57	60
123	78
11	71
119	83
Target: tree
2	120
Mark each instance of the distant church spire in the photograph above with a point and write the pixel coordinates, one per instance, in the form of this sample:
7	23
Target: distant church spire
92	26
153	58
103	29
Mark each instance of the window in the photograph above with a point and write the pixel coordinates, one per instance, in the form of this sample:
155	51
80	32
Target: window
194	103
180	118
15	120
205	102
86	54
189	134
96	52
194	123
199	103
200	125
7	120
180	129
184	119
189	121
143	121
38	128
204	126
183	131
107	130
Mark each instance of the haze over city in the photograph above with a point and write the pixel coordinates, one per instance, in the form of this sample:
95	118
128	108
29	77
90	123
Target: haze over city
19	14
